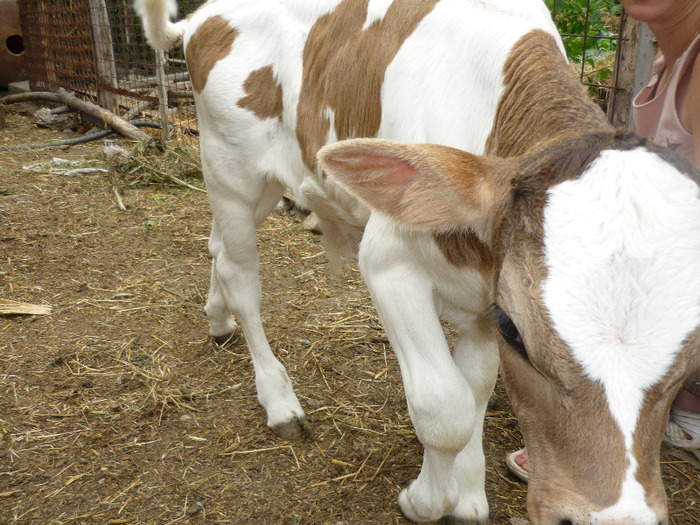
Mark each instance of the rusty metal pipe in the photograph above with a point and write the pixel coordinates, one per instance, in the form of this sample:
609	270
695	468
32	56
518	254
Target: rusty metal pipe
12	62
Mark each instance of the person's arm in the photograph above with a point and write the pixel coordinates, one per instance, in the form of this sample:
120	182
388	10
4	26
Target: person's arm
692	106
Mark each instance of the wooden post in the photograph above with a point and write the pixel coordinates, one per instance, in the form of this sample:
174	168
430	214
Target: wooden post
646	52
161	60
620	104
635	55
104	53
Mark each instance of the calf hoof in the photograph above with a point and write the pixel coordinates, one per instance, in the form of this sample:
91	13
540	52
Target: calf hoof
291	430
454	520
410	511
228	339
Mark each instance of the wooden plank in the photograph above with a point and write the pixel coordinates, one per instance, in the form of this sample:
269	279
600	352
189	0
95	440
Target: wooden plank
161	60
620	105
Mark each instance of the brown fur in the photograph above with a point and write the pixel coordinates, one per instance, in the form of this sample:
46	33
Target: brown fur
542	102
344	70
263	94
551	382
463	248
211	42
657	404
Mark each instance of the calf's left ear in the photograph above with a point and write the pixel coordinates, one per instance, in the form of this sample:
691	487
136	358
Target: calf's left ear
421	185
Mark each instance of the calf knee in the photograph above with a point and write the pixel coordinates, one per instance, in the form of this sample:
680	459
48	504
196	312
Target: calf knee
443	412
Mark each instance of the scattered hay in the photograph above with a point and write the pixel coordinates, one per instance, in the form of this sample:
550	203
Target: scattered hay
156	162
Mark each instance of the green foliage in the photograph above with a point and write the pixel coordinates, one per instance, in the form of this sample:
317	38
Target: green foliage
602	22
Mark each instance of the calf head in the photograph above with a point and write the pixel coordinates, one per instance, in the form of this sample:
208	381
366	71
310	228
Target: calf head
596	244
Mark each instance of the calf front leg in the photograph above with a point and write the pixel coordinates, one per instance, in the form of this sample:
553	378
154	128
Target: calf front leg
440	402
476	355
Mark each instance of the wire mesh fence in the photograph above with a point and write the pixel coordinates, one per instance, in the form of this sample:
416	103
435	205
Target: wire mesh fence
591	30
96	49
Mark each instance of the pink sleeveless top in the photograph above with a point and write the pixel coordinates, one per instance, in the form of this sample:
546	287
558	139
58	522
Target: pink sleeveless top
656	112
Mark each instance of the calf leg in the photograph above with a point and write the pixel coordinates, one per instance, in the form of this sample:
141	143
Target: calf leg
439	399
236	289
221	323
476	355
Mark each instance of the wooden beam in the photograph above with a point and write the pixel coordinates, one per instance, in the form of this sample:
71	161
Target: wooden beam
161	60
620	104
104	53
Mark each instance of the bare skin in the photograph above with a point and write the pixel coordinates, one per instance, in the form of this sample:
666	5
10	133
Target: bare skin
675	23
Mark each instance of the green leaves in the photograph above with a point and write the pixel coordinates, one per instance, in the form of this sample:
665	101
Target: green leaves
589	30
602	21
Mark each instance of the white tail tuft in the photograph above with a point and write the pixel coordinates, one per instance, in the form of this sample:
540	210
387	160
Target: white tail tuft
159	30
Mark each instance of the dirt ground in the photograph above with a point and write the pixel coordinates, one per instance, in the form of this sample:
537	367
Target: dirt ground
117	408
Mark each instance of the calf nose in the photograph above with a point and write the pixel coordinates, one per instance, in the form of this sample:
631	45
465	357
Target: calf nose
630	521
621	521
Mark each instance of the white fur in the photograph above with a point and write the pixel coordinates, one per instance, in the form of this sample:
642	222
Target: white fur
376	9
622	247
455	74
160	31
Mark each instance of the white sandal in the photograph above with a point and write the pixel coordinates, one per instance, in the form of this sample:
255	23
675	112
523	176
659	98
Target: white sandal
516	469
680	423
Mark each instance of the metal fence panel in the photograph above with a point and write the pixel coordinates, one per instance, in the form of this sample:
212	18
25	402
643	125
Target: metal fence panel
96	48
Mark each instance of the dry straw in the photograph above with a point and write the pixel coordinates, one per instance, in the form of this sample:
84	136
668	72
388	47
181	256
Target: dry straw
8	307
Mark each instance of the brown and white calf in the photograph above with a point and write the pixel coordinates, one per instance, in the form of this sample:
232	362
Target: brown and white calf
580	244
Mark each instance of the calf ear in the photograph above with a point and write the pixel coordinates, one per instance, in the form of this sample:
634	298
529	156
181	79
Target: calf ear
421	185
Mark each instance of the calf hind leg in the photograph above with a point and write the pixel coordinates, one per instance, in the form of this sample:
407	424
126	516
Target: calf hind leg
222	326
236	289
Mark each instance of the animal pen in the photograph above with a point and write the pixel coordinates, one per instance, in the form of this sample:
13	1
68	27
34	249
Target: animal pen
96	49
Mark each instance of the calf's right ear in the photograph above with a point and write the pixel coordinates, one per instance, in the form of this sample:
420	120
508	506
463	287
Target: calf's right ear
425	186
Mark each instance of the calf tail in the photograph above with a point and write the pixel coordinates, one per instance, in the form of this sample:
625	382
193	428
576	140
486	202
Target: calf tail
160	32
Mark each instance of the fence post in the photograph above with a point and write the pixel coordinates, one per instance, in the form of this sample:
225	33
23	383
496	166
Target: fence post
161	61
635	54
619	111
646	51
104	53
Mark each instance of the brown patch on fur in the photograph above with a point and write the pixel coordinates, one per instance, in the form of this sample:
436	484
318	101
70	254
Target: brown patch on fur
650	429
543	100
647	440
264	94
211	42
344	69
463	248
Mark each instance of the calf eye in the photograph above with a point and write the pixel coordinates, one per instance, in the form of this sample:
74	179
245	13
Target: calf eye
508	330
